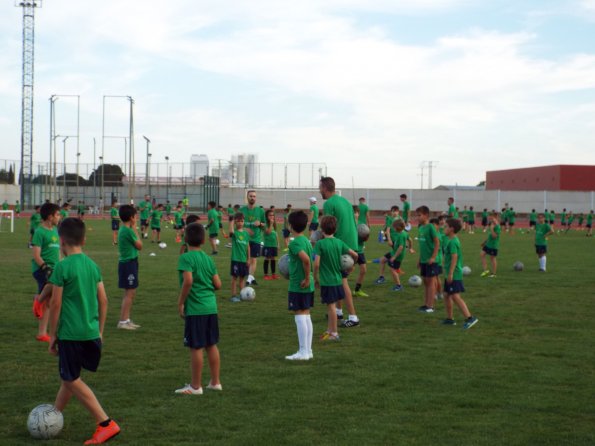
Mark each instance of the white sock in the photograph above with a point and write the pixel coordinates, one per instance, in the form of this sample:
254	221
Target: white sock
302	332
339	312
353	317
542	262
123	322
310	333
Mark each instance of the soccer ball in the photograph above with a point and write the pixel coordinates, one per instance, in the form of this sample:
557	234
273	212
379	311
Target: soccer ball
316	235
45	422
518	266
415	281
363	232
283	266
217	241
152	254
408	227
163	245
248	294
346	263
466	270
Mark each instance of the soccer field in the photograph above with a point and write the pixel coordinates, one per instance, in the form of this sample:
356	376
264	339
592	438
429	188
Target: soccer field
523	375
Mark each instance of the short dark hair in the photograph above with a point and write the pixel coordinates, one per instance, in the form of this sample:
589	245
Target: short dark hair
356	209
454	223
194	234
403	196
394	208
435	220
72	231
362	199
239	216
269	212
328	183
192	218
212	204
424	210
48	209
37	207
126	212
298	221
328	224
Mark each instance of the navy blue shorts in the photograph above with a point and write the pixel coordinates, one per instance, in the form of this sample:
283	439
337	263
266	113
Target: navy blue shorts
361	258
115	224
313	226
41	279
430	270
255	249
397	265
76	355
541	249
143	222
531	224
286	233
331	294
484	221
155	229
178	227
552	222
32	231
128	274
269	251
201	331
490	251
214	235
299	301
588	226
239	269
454	287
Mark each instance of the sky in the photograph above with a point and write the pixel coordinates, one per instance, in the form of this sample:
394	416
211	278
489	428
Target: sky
372	88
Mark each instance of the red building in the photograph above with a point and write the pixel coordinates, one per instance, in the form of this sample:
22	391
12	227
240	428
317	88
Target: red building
555	178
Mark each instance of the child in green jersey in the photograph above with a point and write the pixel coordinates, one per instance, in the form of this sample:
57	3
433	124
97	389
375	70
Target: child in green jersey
179	222
300	295
406	210
240	254
129	243
213	226
286	231
78	312
17	209
533	220
453	284
115	222
64	212
429	249
570	221
397	253
542	232
271	246
361	260
220	215
156	217
490	247
34	222
192	218
328	273
581	219
168	208
484	219
511	220
313	217
471	220
589	224
197	305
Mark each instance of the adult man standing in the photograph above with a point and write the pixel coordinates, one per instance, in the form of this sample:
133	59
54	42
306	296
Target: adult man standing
145	207
254	222
342	210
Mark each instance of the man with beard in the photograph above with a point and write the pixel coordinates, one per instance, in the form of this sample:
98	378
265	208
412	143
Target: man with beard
254	222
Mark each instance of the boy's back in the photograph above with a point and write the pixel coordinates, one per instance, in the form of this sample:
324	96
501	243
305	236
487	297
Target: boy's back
201	299
296	270
126	248
453	246
330	251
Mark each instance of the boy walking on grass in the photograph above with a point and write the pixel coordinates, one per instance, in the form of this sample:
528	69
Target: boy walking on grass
361	261
115	222
129	244
300	295
542	232
240	254
490	247
429	248
197	305
453	284
78	312
397	253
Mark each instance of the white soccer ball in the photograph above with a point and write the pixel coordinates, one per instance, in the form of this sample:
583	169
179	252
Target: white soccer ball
45	422
518	266
283	266
248	294
415	281
408	227
363	232
346	263
316	235
217	241
291	239
163	245
466	270
152	254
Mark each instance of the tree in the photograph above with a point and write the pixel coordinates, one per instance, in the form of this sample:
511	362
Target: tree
112	175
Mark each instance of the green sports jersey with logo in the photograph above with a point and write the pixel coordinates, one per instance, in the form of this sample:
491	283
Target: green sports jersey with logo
35	221
541	229
145	209
201	299
114	213
213	219
452	211
156	219
388	220
78	275
314	210
363	214
296	268
342	210
239	246
178	217
399	240
406	210
168	208
330	250
493	242
126	248
533	217
453	246
270	239
49	243
589	219
251	216
427	238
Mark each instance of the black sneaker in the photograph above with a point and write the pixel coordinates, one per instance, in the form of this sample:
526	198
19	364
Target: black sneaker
350	323
339	317
425	309
253	282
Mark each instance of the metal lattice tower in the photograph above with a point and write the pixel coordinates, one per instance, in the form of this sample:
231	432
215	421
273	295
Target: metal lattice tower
26	171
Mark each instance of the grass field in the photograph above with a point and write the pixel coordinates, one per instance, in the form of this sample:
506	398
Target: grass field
524	375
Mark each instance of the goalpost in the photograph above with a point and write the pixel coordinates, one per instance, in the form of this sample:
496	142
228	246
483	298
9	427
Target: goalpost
5	217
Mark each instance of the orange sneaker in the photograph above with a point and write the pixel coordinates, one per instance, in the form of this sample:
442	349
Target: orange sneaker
43	338
268	277
38	308
102	434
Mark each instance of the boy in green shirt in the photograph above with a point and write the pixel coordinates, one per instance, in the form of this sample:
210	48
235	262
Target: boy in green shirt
179	222
240	254
300	295
589	224
145	207
129	244
255	222
197	305
452	210
271	246
533	220
484	219
168	211
5	205
542	232
328	273
314	212
511	220
361	261
563	218
115	222
64	212
156	217
17	209
397	254
406	210
453	284
490	247
471	220
570	220
78	312
34	222
213	226
429	249
286	231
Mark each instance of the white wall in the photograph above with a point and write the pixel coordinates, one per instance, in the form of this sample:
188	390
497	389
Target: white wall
10	193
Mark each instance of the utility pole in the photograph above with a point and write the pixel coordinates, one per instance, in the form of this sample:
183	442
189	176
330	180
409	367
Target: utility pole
431	164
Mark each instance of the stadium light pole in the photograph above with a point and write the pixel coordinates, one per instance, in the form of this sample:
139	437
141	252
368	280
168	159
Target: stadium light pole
64	173
78	154
94	169
102	179
147	166
167	178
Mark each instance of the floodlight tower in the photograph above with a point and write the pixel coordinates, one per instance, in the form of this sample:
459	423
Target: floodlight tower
26	170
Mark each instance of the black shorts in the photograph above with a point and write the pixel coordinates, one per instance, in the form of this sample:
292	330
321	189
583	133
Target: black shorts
220	225
331	294
313	226
454	287
269	251
239	269
255	249
115	224
143	222
41	279
490	251
531	224
201	331
299	301
155	229
484	221
212	236
511	223
540	249
361	258
430	270
396	265
286	233
128	275
76	355
32	231
552	222
178	227
588	225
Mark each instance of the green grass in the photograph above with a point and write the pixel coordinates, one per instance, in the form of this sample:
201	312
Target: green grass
523	375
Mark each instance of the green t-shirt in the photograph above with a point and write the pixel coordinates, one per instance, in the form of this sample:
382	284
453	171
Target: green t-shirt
540	232
239	246
286	220
78	275
388	221
49	242
426	236
17	208
533	217
156	219
470	216
35	221
5	206
406	210
361	246
178	217
314	210
563	217
230	212
270	240
213	221
114	213
296	269
511	216
443	239
571	218
250	217
168	208
126	248
493	242
589	219
363	213
342	210
453	246
452	210
201	300
399	239
81	208
145	208
484	215
63	213
330	250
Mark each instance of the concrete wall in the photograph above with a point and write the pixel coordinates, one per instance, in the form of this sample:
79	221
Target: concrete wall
10	193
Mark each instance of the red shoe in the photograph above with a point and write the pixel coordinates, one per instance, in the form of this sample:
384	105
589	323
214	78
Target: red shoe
38	308
276	277
400	271
268	277
43	338
178	239
102	434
